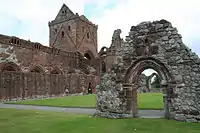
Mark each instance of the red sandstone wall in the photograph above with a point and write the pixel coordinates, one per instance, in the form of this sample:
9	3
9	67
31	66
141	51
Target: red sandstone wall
16	85
27	55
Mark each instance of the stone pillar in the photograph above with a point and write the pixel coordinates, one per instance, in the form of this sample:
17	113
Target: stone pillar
131	98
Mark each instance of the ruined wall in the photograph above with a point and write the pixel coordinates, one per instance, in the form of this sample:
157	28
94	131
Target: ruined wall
142	83
108	55
28	55
20	86
155	45
35	63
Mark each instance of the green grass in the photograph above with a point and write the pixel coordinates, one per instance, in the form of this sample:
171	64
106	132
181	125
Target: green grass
150	101
19	121
145	100
69	101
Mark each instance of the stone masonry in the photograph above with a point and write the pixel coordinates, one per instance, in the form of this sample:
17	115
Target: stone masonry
159	46
70	63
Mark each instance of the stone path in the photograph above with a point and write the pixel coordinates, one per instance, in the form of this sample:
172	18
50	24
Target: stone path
90	111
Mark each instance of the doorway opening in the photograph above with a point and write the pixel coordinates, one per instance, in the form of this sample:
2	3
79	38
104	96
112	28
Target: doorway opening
149	100
149	90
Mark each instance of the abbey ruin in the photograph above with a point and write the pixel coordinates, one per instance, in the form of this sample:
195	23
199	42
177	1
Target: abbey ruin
71	62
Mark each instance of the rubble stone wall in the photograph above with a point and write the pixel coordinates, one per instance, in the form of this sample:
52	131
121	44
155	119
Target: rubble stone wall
159	46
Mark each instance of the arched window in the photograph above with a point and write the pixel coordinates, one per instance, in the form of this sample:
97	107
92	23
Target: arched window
88	35
69	28
62	34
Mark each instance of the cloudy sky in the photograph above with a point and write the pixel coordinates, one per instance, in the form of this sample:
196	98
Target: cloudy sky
28	19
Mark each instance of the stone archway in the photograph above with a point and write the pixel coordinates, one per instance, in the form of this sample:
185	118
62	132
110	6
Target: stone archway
132	75
159	46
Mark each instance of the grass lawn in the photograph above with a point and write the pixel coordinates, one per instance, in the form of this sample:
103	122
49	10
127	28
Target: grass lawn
145	100
150	101
19	121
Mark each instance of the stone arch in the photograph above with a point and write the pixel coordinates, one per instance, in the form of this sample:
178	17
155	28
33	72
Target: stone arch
37	69
144	63
138	67
10	66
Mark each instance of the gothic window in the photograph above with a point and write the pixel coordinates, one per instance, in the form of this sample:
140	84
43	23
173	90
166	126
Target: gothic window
62	34
69	28
15	41
88	35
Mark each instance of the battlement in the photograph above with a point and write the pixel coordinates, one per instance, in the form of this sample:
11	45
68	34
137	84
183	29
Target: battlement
15	41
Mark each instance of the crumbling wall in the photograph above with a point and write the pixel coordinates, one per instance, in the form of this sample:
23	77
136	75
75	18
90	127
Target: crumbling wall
38	66
157	45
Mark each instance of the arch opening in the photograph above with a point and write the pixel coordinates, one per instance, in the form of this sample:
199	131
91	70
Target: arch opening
160	99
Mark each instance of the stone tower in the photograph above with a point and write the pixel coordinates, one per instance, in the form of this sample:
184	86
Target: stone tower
71	32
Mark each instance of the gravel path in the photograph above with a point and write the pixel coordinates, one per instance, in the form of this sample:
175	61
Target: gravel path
90	111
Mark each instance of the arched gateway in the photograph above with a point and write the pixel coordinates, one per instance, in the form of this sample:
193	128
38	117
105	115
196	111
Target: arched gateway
155	45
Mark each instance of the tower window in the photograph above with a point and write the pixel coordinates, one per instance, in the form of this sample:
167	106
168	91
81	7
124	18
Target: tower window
56	30
62	34
88	35
69	28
